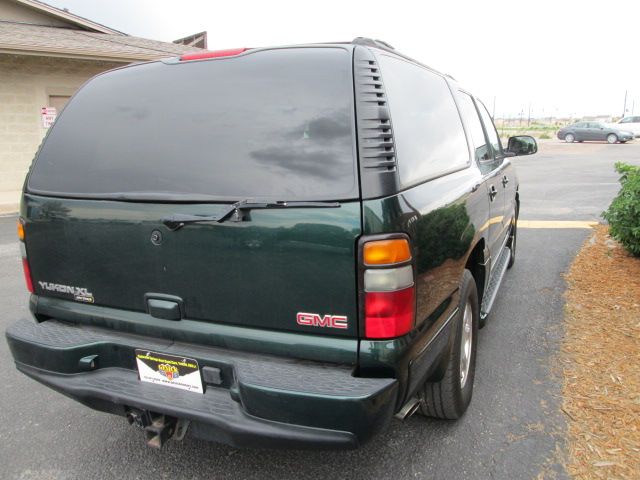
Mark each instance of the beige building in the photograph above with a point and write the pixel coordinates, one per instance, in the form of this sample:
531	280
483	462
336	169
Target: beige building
45	55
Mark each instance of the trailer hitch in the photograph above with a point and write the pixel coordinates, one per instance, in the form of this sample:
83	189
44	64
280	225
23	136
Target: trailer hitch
158	428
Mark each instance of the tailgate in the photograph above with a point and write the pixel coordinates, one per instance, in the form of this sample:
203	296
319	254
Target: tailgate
262	272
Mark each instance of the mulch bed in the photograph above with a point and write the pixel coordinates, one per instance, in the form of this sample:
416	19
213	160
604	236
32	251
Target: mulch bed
601	361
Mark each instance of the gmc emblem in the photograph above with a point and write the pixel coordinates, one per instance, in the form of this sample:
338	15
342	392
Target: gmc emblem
315	320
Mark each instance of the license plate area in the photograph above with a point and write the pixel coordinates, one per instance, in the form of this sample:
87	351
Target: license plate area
169	370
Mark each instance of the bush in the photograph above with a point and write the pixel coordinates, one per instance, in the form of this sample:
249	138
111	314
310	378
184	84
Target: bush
545	136
623	214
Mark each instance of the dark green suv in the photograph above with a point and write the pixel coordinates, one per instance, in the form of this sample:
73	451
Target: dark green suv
266	247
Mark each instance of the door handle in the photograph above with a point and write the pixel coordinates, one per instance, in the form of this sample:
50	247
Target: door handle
505	180
492	193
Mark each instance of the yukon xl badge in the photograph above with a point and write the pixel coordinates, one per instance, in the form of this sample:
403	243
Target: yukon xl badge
327	321
79	294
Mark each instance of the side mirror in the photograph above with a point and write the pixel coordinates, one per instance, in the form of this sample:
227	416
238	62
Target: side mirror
522	145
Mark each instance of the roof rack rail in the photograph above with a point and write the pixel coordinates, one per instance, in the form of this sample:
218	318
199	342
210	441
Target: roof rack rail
370	42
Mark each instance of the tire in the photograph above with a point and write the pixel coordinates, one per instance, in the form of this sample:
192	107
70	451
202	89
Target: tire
612	138
512	243
569	138
450	397
623	141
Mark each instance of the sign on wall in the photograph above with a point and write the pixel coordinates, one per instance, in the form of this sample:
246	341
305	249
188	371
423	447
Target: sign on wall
48	116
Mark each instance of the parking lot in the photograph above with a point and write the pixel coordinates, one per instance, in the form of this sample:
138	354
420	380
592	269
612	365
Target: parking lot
513	429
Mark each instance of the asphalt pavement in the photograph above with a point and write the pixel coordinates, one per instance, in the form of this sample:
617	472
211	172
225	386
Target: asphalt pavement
513	429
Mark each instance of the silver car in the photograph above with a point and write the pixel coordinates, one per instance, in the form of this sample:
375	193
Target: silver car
594	131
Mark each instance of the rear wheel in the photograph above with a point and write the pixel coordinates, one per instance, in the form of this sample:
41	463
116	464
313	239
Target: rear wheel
569	138
612	138
450	397
513	240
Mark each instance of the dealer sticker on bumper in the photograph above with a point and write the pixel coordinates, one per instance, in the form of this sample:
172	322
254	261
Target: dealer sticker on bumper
169	370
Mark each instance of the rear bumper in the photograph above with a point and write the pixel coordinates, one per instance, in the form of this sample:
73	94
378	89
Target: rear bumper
260	400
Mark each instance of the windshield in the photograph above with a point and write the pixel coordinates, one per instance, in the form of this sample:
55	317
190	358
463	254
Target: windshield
271	124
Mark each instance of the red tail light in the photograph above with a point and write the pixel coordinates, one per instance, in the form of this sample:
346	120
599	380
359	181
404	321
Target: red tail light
23	250
389	314
27	274
215	54
389	288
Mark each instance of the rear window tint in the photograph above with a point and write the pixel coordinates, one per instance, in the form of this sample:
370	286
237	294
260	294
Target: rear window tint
274	124
426	125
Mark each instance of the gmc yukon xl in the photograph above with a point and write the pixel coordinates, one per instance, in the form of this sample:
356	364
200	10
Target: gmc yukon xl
282	247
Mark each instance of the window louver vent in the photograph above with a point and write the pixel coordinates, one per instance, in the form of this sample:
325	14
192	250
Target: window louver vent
377	149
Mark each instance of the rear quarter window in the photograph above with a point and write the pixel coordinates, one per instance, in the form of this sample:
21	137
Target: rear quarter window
427	129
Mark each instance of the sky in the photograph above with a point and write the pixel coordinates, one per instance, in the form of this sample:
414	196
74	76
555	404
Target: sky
559	58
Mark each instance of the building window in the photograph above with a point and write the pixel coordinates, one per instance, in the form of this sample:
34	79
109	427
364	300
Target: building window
58	101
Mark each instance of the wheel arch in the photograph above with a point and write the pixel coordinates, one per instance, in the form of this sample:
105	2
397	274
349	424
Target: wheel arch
477	263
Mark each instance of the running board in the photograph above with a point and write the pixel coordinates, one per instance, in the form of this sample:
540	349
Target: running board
494	282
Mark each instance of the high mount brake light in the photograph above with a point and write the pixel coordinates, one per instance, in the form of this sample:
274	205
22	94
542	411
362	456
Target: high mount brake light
389	288
25	262
214	54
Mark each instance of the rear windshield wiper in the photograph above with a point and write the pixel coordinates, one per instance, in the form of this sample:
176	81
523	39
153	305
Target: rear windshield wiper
235	212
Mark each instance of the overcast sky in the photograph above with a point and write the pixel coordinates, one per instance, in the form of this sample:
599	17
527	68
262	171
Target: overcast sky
563	57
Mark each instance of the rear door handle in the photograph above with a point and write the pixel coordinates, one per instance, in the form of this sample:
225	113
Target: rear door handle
505	180
492	192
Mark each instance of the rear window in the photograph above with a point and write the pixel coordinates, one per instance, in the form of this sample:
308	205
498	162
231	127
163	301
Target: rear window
274	124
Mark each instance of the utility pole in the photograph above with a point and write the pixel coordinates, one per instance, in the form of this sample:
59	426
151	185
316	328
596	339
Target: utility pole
624	110
529	118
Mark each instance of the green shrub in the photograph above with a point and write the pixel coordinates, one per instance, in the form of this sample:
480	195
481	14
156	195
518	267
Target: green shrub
545	136
623	214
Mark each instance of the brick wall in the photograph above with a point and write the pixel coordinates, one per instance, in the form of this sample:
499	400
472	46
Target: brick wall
26	82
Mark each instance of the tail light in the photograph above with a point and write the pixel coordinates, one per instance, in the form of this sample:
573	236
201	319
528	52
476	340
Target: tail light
27	274
23	250
389	288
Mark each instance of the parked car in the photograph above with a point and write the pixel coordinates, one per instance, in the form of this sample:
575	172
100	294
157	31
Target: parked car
593	131
272	247
631	124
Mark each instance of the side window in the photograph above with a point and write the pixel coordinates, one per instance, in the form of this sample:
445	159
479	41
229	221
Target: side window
490	128
427	129
626	120
472	121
